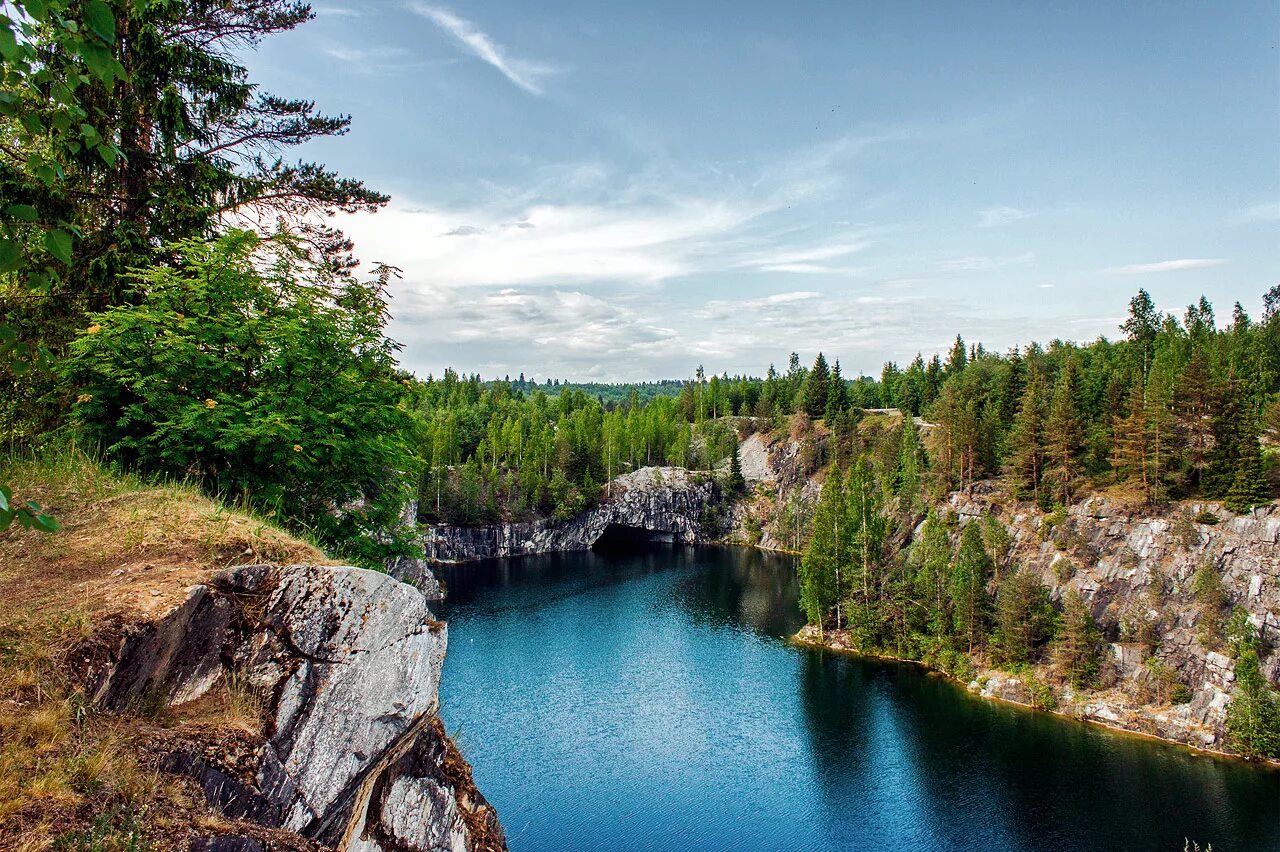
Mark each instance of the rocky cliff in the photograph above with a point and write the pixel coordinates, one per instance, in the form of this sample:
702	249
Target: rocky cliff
346	664
1135	570
660	503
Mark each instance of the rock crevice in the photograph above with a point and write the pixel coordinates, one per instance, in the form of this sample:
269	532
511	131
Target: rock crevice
349	661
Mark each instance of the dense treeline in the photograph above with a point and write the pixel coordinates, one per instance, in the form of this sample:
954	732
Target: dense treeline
497	451
1175	409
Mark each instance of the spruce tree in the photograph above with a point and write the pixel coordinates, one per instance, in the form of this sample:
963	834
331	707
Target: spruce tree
1249	486
1194	402
1253	716
970	571
736	482
837	395
813	393
1024	617
1076	645
1230	439
820	579
1027	440
1064	436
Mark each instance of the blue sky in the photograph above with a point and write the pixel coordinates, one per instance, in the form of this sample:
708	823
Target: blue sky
623	191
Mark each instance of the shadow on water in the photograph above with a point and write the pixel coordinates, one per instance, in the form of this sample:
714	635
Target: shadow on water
649	699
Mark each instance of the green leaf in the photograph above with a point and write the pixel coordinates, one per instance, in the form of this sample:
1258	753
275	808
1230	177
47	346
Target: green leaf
5	496
46	523
58	242
108	153
99	18
9	48
25	212
37	9
10	256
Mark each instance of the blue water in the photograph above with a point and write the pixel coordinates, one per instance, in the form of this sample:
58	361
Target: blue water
650	701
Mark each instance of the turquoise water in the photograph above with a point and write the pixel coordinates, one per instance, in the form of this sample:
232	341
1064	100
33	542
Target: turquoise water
650	701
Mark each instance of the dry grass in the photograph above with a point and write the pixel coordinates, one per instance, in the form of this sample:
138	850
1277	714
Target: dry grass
130	551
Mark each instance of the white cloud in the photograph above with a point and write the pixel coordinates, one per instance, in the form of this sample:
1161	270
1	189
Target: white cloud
995	216
978	263
524	73
1166	266
1268	212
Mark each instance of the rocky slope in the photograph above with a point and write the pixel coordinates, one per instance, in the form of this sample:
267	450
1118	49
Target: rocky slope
661	503
347	662
1135	572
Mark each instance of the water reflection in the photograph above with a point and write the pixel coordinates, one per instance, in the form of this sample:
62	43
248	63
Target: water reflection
651	701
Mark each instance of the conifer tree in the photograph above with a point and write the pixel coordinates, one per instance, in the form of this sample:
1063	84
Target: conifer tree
1064	436
813	392
736	481
820	579
957	359
1076	645
1024	616
1231	435
933	574
837	395
1194	401
970	571
907	477
1249	485
1253	716
1027	440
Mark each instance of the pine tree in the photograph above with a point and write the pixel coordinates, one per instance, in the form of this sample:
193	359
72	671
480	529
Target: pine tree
1230	439
1064	436
1076	645
1027	440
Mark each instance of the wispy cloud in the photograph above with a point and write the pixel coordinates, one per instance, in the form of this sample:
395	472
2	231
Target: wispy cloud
1166	266
982	263
993	217
1268	212
526	74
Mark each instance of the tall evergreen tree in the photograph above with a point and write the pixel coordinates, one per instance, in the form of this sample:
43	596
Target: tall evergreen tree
1249	486
1064	436
1076	645
1027	439
813	392
970	571
1194	401
820	580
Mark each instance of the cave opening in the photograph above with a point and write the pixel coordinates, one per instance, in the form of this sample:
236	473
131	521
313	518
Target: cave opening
622	537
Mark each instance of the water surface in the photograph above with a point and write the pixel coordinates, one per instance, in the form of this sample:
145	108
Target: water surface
650	701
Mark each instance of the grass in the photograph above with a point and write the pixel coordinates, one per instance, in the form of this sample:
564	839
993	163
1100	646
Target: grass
70	777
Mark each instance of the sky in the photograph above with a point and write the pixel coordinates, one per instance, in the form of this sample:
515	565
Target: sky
623	191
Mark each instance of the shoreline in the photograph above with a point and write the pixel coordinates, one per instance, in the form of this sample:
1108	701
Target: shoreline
805	638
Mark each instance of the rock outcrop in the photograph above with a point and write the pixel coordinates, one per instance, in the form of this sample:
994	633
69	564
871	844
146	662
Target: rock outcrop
347	662
662	503
1135	571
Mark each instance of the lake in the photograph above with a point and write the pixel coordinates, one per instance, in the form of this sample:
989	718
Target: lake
650	700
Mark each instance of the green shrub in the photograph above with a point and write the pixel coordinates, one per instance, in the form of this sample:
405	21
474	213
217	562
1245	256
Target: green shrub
262	379
1204	516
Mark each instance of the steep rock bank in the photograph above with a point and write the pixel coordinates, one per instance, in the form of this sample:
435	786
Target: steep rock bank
664	503
346	663
1135	570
